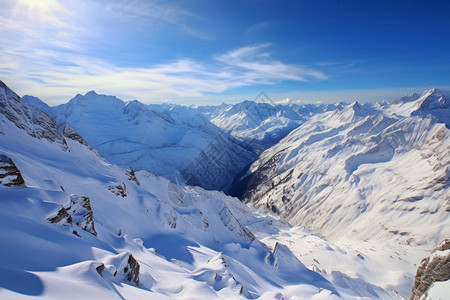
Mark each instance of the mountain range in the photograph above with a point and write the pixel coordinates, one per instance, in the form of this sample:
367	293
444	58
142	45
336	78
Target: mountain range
108	198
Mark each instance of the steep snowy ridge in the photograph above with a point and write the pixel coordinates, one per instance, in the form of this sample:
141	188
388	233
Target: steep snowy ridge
343	170
433	103
436	104
35	122
67	230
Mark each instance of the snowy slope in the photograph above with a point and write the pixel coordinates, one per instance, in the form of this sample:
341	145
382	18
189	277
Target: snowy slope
82	228
361	173
262	125
184	147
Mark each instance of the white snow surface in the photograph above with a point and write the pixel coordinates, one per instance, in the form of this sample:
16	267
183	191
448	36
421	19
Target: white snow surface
360	173
183	146
190	243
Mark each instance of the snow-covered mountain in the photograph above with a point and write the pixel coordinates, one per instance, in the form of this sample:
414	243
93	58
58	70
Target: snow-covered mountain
262	125
364	172
75	226
199	145
183	146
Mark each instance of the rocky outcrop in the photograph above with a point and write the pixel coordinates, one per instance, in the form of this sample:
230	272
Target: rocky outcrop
78	213
132	176
119	190
125	267
9	174
433	268
72	134
131	270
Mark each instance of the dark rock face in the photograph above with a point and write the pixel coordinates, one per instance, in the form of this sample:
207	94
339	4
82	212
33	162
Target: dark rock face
244	187
9	174
131	270
79	212
119	190
132	176
100	269
32	120
62	215
127	268
432	269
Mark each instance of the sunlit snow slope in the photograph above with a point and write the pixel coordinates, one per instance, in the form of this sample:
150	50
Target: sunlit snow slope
377	172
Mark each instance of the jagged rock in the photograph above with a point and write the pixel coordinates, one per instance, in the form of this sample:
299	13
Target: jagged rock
132	176
27	117
79	212
444	245
125	266
9	174
132	270
433	268
119	190
100	269
62	215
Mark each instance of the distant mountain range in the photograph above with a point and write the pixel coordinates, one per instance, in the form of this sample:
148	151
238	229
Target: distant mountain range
204	146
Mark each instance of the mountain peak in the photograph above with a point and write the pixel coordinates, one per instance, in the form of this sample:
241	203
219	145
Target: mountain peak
356	106
434	99
434	104
8	93
93	100
92	93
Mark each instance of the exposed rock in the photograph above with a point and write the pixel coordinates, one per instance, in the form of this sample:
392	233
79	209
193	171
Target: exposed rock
9	174
100	269
72	134
62	215
79	212
444	245
119	190
132	176
433	268
125	266
132	270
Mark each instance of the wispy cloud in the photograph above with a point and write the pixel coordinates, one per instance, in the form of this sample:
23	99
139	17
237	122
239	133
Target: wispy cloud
49	56
55	76
259	66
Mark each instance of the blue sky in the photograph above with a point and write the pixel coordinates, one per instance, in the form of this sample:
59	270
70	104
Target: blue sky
213	51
